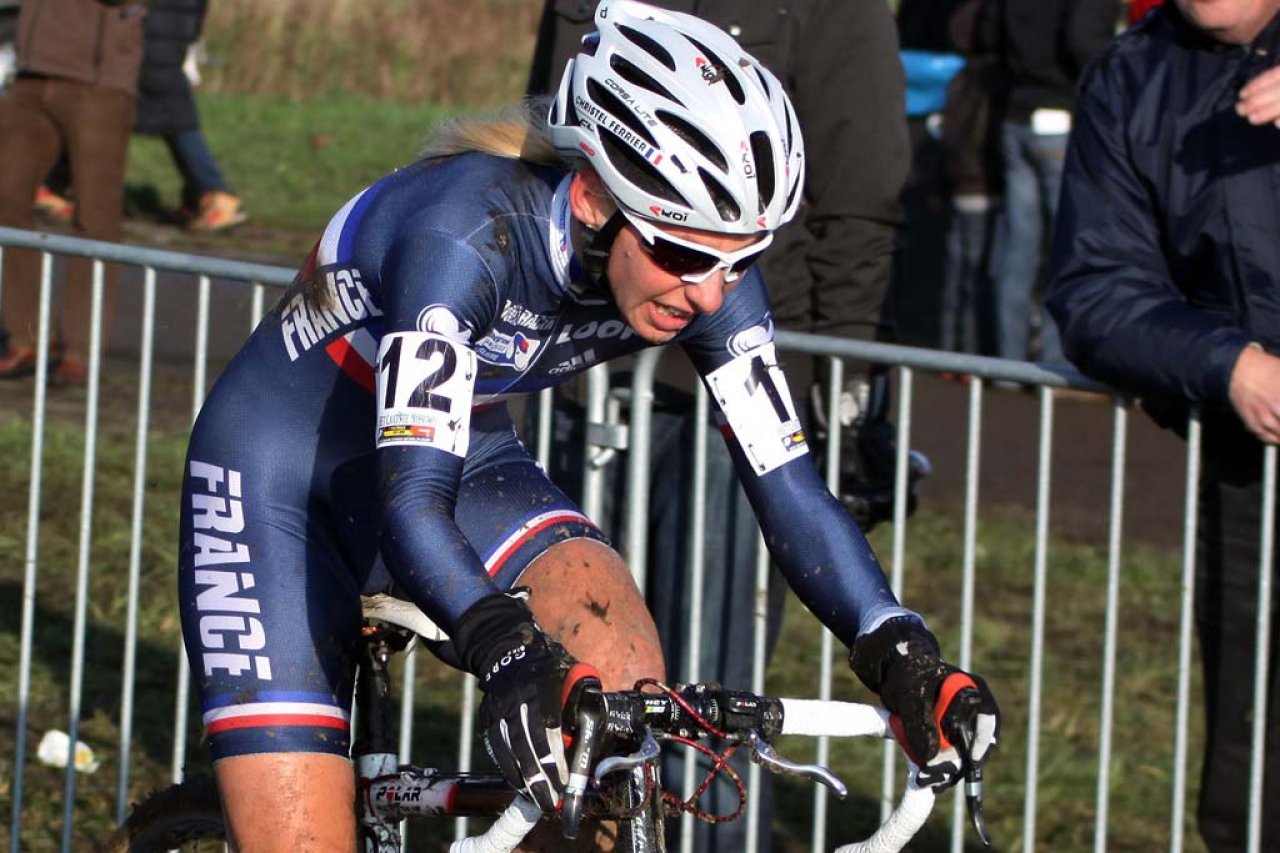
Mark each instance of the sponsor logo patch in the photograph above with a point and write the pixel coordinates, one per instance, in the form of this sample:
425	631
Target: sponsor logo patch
515	350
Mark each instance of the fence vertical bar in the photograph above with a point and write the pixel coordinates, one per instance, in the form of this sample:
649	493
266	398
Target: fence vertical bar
832	473
31	552
546	407
1114	542
637	516
1182	735
969	562
135	539
890	767
594	457
85	548
200	377
760	639
465	735
1038	617
698	570
1262	643
256	305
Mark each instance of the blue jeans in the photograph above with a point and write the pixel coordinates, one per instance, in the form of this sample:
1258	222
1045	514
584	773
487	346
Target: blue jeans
966	283
1032	175
196	164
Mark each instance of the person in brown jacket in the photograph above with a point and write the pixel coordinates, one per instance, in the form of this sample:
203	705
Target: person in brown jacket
76	91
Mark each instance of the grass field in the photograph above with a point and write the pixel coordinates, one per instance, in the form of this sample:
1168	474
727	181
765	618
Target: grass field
294	163
1068	739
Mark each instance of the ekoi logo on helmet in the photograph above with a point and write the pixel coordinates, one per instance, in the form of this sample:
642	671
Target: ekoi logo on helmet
710	71
664	213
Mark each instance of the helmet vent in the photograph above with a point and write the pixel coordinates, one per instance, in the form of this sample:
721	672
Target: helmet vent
764	82
613	105
629	72
648	45
694	137
766	180
721	72
725	205
637	170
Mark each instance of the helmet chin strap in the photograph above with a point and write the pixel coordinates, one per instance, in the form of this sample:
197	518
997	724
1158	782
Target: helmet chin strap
595	257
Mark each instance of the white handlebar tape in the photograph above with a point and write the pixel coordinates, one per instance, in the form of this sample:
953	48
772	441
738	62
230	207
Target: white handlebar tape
505	835
818	718
906	820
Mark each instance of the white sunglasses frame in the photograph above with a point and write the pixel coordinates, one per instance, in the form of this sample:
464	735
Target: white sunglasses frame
650	232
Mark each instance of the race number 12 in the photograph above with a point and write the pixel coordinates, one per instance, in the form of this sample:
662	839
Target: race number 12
425	387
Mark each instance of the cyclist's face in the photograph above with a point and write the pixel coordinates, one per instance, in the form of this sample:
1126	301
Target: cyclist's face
661	285
656	302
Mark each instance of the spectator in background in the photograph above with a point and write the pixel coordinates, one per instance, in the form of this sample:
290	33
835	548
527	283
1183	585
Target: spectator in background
1042	46
76	91
953	192
1166	283
827	273
930	59
973	176
167	109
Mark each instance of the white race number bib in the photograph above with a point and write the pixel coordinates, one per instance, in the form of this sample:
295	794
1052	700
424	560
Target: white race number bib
425	386
752	394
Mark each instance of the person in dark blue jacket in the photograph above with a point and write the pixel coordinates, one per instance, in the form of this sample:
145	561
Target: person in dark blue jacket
1166	283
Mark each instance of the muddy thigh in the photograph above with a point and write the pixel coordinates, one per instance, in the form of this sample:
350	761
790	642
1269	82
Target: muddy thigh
585	597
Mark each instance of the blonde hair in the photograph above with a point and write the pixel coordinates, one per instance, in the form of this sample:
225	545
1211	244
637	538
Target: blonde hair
519	131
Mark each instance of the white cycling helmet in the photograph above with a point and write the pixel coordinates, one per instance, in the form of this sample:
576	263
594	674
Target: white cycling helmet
682	124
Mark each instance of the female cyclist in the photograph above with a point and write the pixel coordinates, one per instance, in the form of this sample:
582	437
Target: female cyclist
360	439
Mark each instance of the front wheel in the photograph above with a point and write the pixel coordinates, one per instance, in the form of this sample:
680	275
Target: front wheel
186	817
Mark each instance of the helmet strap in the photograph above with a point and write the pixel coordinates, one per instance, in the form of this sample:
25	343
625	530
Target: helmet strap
595	257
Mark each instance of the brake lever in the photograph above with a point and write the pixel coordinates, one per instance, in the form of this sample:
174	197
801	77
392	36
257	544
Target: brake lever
648	751
763	753
973	772
586	747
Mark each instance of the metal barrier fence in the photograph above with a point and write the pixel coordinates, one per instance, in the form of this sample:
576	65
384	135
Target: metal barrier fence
175	271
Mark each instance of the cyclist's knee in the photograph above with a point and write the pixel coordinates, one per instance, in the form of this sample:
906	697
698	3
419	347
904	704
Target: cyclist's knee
585	597
288	801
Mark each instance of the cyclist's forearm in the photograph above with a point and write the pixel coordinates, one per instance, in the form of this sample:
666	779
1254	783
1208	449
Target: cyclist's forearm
822	553
425	551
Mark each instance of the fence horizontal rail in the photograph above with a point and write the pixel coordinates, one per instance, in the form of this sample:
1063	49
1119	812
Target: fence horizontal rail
624	417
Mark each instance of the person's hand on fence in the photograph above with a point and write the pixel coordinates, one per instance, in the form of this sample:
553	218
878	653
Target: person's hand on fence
1259	101
522	673
946	719
1255	393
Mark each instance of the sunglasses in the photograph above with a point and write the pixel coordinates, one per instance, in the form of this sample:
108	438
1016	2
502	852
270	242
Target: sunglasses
693	262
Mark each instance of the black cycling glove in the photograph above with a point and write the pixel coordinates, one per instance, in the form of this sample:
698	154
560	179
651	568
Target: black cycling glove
946	719
522	673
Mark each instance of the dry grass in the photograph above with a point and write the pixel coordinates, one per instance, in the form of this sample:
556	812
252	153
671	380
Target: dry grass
416	51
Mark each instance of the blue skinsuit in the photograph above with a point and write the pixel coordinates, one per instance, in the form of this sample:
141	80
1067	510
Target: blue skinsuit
289	511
